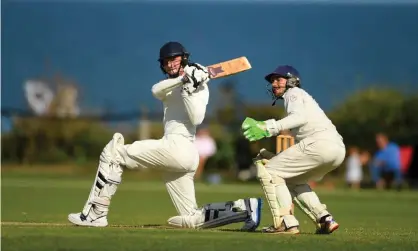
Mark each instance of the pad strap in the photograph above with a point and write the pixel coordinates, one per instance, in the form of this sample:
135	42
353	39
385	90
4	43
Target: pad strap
114	178
103	203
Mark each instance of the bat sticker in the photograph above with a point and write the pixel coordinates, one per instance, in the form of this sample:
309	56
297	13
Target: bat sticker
214	71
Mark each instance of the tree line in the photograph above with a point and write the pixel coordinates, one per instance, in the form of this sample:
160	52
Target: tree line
358	118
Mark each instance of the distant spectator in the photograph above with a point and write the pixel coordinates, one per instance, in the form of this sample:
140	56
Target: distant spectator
354	172
386	164
365	158
206	147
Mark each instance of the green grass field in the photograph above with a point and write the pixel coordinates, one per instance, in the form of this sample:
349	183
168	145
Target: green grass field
35	208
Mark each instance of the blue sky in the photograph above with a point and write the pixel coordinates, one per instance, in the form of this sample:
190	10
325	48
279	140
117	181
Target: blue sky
110	49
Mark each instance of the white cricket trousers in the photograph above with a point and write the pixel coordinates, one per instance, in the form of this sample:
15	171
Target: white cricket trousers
310	159
177	155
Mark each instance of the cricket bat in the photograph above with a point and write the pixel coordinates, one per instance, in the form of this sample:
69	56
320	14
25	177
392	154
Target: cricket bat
228	68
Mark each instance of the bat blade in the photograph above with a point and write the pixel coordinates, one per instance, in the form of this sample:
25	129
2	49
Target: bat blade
229	67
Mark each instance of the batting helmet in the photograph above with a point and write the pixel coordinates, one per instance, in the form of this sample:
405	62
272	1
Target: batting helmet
285	71
172	49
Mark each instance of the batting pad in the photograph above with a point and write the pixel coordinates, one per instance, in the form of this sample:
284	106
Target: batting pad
108	176
284	199
269	191
309	199
223	213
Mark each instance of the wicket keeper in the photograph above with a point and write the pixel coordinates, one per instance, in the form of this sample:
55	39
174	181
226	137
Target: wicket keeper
319	149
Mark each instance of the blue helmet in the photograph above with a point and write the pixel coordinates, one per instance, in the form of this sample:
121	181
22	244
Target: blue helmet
172	49
285	71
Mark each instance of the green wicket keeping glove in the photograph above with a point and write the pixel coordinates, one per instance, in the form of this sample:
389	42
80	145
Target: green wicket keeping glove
254	130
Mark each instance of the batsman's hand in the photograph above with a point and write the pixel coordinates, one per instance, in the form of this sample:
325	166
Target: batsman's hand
254	130
196	73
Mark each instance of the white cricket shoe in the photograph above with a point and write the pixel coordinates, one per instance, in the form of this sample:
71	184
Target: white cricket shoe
254	206
81	220
328	225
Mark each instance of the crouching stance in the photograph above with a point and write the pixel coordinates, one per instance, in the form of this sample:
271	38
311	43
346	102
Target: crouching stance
285	176
185	95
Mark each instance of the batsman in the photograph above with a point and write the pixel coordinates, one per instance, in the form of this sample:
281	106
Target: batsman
319	149
184	95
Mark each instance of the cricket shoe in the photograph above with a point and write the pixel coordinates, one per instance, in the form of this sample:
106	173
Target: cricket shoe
81	220
254	206
281	230
328	225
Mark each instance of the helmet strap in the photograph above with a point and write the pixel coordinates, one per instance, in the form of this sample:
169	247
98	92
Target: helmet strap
274	101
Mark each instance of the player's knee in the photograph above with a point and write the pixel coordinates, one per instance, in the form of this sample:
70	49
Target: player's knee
128	156
188	163
184	221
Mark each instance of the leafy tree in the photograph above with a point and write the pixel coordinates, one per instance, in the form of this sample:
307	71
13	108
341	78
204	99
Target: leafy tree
373	110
